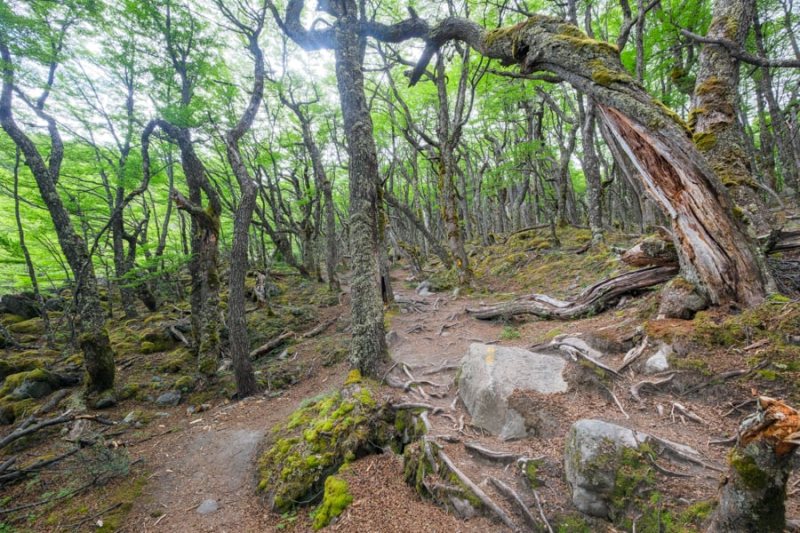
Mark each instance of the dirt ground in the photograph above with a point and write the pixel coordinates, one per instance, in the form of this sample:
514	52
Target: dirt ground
184	460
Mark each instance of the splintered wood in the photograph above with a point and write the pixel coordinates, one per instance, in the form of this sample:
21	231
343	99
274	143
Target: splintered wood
778	425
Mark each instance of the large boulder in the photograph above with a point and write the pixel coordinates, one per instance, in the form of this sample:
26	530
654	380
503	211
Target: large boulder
609	468
23	305
489	376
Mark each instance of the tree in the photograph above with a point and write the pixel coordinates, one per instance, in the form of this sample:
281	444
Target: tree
246	384
94	342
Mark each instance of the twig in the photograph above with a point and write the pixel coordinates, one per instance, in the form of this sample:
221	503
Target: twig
178	335
477	491
319	329
514	498
104	511
723	442
16	474
27	429
664	470
271	344
616	401
687	413
503	457
54	498
739	406
443	368
575	352
52	403
541	511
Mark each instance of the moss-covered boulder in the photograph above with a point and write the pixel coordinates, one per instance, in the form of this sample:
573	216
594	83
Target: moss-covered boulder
316	440
156	340
17	363
176	361
334	501
15	382
33	326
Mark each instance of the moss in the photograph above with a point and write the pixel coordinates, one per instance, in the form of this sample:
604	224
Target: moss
130	390
676	118
8	320
33	326
37	374
177	361
354	376
530	469
184	384
704	141
334	501
317	439
125	494
573	523
691	121
606	76
752	477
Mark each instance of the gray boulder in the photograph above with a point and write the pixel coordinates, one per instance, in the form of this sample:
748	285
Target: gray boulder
489	376
32	389
23	305
169	398
605	462
659	361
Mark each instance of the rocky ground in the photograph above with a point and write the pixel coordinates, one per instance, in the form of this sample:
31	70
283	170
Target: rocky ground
170	469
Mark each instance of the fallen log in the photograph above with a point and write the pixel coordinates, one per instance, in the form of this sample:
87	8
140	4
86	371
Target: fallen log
271	345
594	299
652	251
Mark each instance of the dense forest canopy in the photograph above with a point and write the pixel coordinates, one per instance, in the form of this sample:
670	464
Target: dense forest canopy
137	134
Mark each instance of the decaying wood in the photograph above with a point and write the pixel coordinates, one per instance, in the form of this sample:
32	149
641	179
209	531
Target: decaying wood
271	345
502	457
516	501
652	251
179	336
35	467
687	413
764	453
655	383
578	353
319	329
592	300
476	490
633	354
780	241
541	511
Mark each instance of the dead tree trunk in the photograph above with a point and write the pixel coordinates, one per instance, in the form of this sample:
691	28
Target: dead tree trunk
753	493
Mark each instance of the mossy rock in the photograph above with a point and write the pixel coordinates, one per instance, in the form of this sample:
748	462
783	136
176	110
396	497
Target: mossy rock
130	390
334	501
180	359
18	363
8	320
317	439
12	409
184	384
32	326
36	375
156	340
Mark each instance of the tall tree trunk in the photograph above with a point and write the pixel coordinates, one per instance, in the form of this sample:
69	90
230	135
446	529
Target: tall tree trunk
368	351
98	356
591	169
713	118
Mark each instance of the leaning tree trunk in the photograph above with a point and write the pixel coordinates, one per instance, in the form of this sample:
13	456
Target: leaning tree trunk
94	342
753	495
368	349
713	119
716	255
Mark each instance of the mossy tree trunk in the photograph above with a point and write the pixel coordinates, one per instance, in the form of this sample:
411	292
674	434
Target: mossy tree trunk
753	494
449	135
713	119
94	342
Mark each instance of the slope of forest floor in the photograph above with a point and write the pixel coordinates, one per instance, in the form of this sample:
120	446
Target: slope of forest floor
154	469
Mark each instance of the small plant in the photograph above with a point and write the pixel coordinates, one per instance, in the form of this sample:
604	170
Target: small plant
508	333
287	519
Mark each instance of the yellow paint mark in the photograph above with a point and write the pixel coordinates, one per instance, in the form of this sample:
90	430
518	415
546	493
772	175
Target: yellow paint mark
490	359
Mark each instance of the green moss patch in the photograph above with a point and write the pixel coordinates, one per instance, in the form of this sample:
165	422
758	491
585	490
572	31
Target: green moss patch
334	501
317	439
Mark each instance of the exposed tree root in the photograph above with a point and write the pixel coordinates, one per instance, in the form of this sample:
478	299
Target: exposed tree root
655	383
516	501
502	457
592	300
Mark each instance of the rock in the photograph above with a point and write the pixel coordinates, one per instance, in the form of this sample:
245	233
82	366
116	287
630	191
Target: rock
679	299
54	304
608	467
208	506
490	374
169	398
424	288
591	460
130	418
658	362
105	402
199	408
23	305
391	338
580	344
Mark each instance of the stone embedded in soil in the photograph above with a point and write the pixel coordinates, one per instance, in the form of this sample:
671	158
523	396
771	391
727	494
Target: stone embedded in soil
32	389
169	398
591	462
208	507
105	402
658	362
490	374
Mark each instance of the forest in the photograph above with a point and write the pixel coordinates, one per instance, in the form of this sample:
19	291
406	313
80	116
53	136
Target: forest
479	265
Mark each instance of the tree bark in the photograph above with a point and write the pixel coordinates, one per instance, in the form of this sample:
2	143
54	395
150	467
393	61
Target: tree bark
753	494
369	350
713	119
